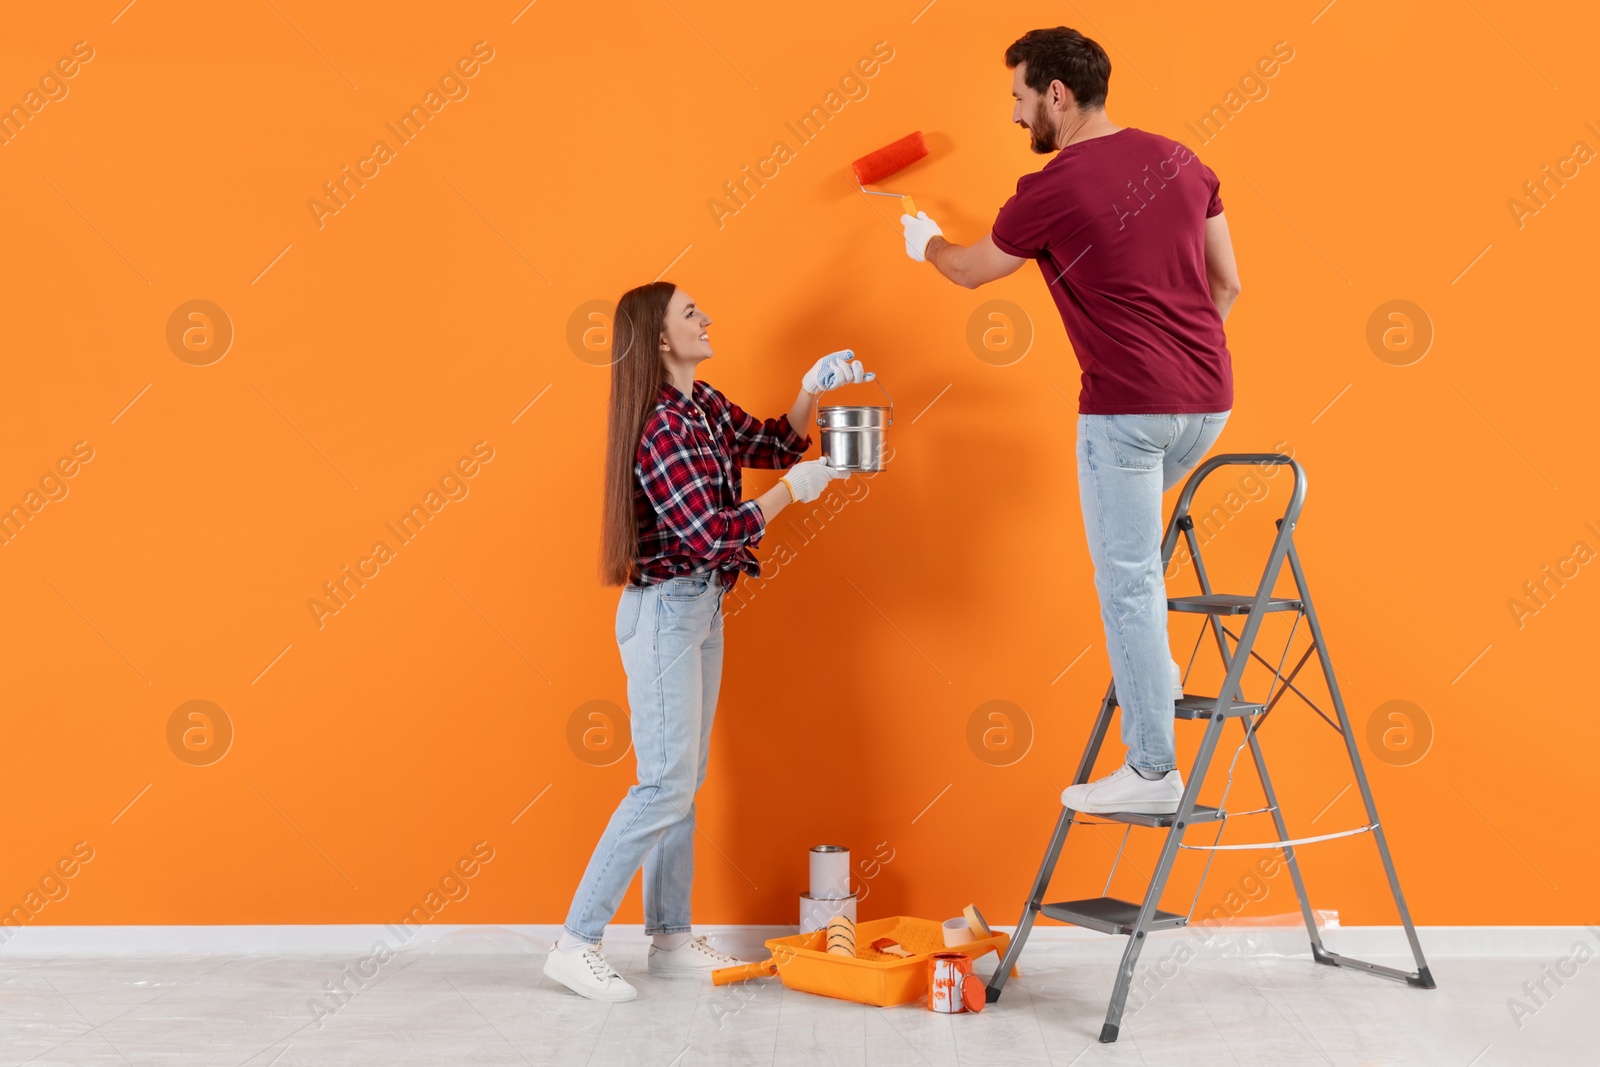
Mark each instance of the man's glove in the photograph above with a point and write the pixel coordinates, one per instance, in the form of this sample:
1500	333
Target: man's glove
919	230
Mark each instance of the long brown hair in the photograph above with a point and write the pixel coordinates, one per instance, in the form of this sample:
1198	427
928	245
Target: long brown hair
637	374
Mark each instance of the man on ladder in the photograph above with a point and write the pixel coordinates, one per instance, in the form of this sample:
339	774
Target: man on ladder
1128	229
1129	233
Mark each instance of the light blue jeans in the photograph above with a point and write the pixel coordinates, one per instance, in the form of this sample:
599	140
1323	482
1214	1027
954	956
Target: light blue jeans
1125	463
671	638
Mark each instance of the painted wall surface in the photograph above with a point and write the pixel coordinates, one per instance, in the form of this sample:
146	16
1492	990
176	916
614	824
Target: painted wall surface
253	320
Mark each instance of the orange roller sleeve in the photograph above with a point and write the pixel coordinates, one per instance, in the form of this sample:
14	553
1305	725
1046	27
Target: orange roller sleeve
876	166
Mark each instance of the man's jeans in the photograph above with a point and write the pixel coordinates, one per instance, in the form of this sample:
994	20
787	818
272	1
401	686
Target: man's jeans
671	636
1125	463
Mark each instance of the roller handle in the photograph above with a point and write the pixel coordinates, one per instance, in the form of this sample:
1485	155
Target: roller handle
744	972
907	205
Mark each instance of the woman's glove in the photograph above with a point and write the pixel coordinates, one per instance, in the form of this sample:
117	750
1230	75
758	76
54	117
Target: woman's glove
833	370
807	480
919	229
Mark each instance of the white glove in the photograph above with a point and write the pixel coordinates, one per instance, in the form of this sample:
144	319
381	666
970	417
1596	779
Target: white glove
833	370
919	230
807	480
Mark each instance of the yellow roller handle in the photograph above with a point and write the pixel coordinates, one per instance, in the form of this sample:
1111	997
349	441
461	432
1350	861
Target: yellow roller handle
744	972
909	204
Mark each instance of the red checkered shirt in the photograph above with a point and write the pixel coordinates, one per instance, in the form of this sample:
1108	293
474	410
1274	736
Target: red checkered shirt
687	484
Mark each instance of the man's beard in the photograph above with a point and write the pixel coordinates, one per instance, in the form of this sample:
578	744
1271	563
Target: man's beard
1043	134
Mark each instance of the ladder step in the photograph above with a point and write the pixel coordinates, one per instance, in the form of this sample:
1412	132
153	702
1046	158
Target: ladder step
1228	604
1201	813
1193	706
1108	915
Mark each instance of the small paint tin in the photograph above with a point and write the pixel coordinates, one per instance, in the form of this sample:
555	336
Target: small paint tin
952	987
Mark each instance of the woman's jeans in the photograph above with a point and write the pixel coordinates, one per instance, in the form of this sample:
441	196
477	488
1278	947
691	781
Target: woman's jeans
1125	463
670	635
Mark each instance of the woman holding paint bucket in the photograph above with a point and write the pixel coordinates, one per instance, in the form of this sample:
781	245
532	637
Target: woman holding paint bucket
676	535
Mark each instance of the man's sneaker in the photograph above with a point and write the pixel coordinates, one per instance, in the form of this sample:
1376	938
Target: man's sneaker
1125	790
587	973
694	959
1177	681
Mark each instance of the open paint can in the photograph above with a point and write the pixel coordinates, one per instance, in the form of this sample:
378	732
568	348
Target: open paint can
952	987
852	435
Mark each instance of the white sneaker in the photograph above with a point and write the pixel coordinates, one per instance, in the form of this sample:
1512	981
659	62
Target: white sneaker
1177	681
1126	790
587	973
694	959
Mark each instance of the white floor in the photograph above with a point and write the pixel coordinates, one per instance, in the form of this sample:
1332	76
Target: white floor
457	1003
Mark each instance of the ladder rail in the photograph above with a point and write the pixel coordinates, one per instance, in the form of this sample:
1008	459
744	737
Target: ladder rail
1281	826
1183	521
1052	855
1282	542
1191	789
1222	826
1291	513
1245	641
1283	551
1422	977
1158	881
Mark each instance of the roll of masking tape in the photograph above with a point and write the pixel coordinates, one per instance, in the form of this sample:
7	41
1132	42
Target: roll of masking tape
816	911
830	871
957	932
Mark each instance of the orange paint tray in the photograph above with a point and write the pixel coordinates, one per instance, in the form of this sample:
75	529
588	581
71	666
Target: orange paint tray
872	977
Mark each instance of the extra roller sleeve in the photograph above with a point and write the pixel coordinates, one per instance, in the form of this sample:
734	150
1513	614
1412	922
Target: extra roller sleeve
876	166
841	936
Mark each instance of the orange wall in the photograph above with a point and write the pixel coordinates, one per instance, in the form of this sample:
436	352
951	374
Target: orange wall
377	346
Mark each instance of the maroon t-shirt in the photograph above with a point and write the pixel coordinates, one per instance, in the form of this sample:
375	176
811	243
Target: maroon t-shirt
1117	224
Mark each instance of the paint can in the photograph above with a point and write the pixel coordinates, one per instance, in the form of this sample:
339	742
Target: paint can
816	911
952	987
852	435
830	871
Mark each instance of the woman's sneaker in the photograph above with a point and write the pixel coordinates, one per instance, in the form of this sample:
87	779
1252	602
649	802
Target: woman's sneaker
694	959
586	972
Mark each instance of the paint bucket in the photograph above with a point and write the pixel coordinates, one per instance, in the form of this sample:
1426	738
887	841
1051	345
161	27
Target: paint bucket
816	911
852	435
952	987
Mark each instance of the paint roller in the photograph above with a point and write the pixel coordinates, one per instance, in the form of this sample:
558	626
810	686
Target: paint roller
744	972
839	939
873	167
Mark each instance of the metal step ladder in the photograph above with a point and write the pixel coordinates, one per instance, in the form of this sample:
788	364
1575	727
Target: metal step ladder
1135	920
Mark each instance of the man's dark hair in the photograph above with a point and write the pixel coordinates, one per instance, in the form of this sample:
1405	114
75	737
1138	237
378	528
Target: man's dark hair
1063	55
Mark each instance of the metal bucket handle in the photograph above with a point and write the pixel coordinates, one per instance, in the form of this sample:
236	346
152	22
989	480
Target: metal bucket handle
885	392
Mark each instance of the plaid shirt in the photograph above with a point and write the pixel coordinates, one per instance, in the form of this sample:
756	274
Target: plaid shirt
686	496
